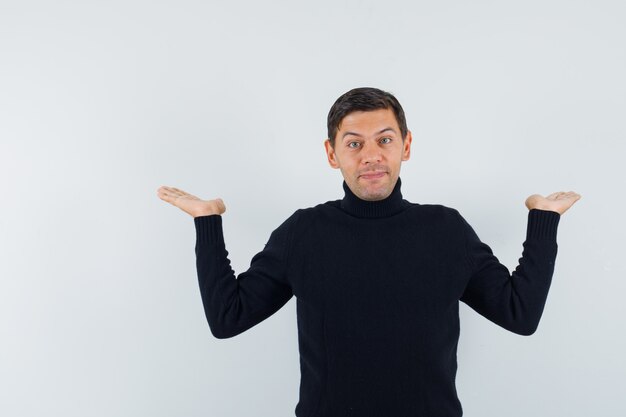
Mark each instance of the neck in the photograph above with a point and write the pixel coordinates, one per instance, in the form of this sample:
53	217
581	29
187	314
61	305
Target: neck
390	205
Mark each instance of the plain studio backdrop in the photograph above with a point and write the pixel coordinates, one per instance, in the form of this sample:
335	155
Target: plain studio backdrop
103	102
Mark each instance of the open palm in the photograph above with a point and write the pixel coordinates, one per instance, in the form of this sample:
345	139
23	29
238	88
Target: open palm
189	203
560	201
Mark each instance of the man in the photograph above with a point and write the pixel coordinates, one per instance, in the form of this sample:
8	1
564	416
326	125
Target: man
377	278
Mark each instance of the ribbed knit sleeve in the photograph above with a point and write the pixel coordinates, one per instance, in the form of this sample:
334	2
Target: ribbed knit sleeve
514	301
233	304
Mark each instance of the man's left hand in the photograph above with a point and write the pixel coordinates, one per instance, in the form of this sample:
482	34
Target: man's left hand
559	201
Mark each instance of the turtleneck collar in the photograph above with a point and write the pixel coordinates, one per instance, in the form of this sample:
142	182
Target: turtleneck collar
393	204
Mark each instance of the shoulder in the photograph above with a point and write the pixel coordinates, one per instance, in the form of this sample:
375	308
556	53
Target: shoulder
439	219
436	211
308	217
302	218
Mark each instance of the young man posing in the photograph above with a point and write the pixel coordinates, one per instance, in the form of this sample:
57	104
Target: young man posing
378	279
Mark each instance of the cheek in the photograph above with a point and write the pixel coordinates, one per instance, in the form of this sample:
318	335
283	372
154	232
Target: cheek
346	159
351	165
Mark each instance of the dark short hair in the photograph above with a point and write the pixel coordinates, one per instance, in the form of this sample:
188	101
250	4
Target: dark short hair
363	99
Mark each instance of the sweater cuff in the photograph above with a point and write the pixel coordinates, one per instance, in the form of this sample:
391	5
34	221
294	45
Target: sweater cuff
208	229
542	224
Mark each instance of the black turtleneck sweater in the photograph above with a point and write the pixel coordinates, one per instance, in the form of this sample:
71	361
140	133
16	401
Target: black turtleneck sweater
378	285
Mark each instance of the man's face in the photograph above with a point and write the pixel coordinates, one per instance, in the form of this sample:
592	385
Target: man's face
368	151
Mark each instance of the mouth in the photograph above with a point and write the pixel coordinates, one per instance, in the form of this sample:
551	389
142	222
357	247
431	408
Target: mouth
373	175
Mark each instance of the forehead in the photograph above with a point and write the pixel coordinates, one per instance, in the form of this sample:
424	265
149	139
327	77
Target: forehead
369	120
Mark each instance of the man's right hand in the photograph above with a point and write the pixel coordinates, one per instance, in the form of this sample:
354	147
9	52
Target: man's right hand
189	203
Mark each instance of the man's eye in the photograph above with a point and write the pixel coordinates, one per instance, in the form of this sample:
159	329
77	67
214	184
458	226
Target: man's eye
350	144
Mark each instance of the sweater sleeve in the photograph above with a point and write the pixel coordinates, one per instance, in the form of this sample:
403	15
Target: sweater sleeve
233	304
513	301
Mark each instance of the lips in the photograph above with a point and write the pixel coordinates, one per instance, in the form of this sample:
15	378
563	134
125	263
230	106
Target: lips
373	175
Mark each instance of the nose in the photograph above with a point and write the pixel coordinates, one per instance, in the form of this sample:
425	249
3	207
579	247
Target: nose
371	153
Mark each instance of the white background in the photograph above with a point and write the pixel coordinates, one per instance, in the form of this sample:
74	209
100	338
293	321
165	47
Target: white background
103	102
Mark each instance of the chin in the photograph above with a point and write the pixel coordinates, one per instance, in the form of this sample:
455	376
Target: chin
377	193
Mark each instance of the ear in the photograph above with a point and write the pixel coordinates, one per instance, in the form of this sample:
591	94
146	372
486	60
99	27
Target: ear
406	146
330	154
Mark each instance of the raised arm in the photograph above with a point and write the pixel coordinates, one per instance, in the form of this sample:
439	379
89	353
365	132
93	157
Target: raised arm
513	301
232	304
516	301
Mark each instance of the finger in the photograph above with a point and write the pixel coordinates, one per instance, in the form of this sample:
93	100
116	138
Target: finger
174	192
166	195
182	193
168	190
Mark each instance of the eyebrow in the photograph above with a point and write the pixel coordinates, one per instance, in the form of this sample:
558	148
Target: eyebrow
378	133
